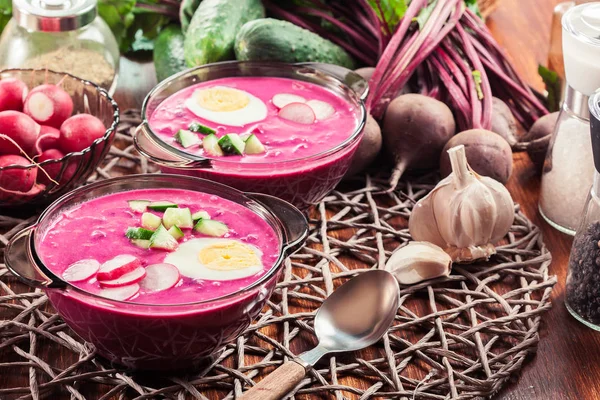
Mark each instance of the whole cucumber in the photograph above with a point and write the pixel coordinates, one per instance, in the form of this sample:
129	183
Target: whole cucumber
168	52
270	39
211	34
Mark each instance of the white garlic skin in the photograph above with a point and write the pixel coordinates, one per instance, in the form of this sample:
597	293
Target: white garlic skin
417	262
465	214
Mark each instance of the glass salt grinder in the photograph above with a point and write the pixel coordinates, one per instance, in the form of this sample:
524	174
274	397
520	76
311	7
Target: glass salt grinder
568	167
63	36
582	295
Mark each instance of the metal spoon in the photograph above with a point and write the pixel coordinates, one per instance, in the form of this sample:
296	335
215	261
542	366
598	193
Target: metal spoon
355	316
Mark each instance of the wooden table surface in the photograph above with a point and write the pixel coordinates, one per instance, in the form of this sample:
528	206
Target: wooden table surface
567	362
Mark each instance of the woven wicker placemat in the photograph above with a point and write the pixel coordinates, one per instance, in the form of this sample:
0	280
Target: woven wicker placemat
460	337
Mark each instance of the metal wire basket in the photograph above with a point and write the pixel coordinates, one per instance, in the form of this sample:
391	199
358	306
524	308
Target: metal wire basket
74	168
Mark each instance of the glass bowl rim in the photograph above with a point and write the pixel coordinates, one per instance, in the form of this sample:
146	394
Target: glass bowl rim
259	209
356	134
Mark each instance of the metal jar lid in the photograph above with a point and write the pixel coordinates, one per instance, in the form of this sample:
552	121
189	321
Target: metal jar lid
54	15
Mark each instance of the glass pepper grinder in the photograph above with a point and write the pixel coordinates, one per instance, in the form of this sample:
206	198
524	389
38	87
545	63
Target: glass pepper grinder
582	296
568	167
62	36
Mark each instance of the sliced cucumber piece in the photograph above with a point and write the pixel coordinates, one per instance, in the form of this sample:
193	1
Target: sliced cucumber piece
254	146
181	217
211	227
187	138
162	239
144	244
211	145
200	215
138	205
150	221
199	128
139	233
161	205
232	144
175	232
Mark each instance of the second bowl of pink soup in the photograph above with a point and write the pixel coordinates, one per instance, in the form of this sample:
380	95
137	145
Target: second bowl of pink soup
305	123
158	271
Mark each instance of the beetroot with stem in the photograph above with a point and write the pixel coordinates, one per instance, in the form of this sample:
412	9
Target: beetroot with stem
415	129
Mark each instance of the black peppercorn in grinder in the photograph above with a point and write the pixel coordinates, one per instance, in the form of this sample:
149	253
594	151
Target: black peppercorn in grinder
582	295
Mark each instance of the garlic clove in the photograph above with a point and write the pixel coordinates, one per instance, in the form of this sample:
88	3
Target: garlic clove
417	262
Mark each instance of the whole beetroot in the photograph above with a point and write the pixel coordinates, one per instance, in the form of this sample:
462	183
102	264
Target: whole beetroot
488	154
415	129
538	139
503	122
368	149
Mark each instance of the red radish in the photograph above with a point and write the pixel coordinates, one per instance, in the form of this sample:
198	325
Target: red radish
121	293
20	180
321	109
48	105
53	169
160	277
47	139
298	112
117	267
131	277
81	270
79	132
19	197
12	94
281	100
20	128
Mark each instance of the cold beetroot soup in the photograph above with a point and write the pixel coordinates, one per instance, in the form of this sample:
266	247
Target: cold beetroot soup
289	118
112	246
262	132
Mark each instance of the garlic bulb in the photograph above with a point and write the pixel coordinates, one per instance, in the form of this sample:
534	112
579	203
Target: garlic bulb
465	214
418	261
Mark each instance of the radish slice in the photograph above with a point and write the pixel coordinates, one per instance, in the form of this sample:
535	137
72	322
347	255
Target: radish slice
127	279
321	109
281	100
298	112
120	293
81	270
117	267
160	277
47	139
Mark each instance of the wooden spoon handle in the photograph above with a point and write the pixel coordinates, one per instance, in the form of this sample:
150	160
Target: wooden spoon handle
277	384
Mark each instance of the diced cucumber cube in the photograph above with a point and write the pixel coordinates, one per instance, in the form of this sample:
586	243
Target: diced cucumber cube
232	144
175	232
150	221
200	215
199	128
144	244
181	217
254	146
211	227
187	138
138	205
162	239
161	205
211	145
139	233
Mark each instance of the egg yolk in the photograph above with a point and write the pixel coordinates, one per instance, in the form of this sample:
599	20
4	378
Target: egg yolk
228	256
222	99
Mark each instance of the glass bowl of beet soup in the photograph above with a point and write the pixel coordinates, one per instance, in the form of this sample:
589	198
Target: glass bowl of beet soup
288	130
84	252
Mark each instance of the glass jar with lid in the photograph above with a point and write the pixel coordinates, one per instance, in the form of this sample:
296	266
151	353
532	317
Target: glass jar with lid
568	168
63	36
582	293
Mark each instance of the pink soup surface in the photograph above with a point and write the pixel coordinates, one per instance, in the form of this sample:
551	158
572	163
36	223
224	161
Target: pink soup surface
96	230
283	139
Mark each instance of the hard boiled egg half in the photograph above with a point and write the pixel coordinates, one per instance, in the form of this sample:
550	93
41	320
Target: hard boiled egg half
225	105
216	259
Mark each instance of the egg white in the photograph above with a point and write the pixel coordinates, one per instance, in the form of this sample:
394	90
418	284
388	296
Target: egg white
185	258
254	111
